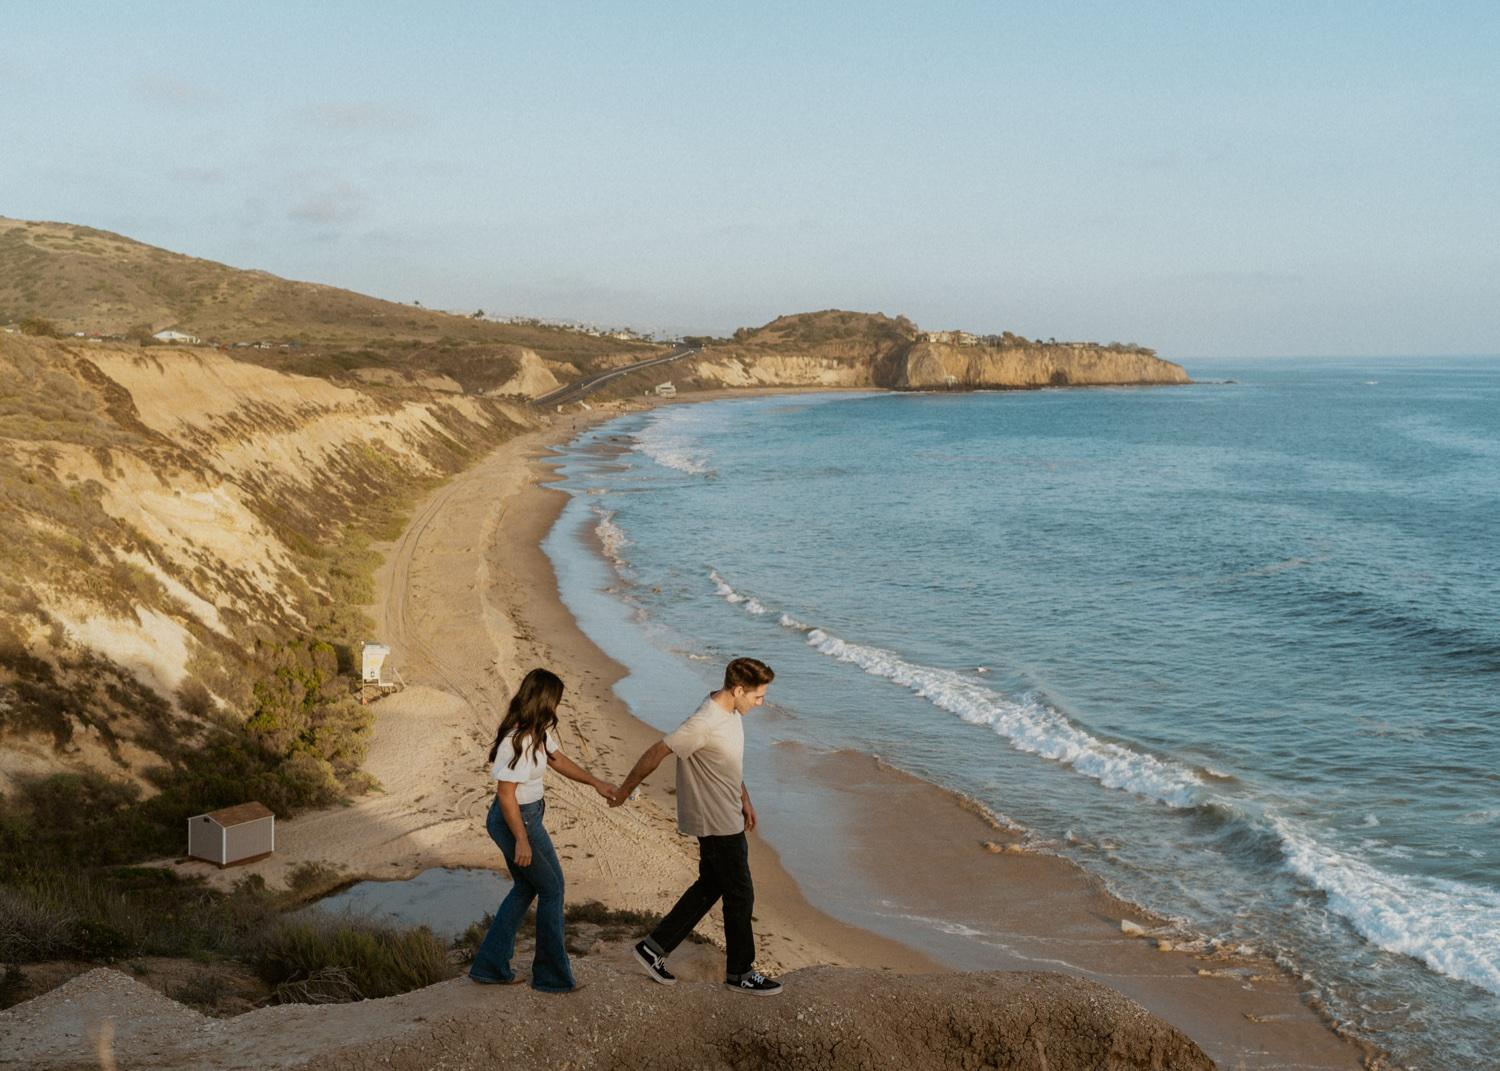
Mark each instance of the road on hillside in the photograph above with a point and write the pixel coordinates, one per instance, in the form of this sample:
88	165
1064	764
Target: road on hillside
582	388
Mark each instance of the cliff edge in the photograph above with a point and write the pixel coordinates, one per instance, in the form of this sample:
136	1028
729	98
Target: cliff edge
834	348
830	1019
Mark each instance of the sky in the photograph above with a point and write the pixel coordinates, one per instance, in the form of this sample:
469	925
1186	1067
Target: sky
1209	179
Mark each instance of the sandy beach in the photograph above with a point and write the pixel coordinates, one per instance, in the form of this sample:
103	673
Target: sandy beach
468	601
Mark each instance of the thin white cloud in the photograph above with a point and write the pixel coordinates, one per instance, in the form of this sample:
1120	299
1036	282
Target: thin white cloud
178	92
340	202
357	116
203	176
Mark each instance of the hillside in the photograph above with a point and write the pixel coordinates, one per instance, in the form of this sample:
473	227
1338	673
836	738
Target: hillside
88	280
183	546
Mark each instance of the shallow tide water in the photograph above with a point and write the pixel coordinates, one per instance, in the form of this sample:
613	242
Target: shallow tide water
1232	647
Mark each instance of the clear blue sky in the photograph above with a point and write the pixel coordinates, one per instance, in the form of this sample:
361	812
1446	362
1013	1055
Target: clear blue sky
1210	179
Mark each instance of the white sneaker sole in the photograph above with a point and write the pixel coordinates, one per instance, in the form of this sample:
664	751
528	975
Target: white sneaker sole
753	992
646	966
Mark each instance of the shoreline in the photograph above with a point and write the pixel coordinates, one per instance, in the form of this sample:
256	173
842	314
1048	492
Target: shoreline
1245	1011
468	599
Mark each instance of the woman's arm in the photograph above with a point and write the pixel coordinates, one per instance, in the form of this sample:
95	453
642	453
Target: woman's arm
510	810
573	772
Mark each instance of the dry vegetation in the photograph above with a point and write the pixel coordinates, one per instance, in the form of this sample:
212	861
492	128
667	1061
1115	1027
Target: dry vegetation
262	707
172	507
74	278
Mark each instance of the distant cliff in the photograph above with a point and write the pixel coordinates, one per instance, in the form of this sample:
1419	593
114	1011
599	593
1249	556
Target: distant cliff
849	349
939	365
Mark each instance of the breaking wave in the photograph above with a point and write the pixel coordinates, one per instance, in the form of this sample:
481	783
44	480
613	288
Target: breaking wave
1451	927
668	441
611	538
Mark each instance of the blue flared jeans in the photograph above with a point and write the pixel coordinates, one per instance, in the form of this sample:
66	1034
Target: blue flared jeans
541	881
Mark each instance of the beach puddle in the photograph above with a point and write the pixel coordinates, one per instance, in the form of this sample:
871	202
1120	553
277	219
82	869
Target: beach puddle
445	900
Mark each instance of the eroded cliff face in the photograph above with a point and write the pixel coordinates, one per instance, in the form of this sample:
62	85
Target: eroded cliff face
782	370
926	363
170	515
938	366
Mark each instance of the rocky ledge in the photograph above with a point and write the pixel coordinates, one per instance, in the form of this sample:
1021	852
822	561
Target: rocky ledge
829	1018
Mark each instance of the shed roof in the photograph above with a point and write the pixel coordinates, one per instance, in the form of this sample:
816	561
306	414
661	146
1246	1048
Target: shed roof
240	813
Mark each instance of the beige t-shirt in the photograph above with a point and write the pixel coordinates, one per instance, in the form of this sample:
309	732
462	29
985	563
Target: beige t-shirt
710	750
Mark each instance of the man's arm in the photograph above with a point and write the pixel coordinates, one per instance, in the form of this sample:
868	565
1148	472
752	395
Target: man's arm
746	808
644	766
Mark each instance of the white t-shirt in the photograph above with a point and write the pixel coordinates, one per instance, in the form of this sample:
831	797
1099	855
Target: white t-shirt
710	750
528	770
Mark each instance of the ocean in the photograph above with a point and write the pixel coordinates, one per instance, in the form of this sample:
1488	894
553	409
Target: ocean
1232	647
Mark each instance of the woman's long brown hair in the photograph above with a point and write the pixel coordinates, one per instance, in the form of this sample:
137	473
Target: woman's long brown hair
532	714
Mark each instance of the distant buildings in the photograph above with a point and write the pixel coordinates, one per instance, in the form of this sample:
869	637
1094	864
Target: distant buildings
177	336
951	338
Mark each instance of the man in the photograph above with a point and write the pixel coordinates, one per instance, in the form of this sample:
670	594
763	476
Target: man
714	806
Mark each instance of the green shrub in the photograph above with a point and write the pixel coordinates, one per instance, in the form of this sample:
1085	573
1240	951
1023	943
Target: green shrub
35	325
309	880
99	942
370	961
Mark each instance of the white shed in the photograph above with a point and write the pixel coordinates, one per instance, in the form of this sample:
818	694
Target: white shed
176	336
238	834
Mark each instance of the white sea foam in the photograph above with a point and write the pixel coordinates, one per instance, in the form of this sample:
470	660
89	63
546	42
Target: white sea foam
611	538
1452	927
751	604
669	441
722	588
1029	725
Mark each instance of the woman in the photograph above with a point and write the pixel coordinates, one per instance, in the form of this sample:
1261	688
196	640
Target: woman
523	749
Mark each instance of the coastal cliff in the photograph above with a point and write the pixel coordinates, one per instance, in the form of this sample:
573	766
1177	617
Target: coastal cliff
179	525
939	365
835	348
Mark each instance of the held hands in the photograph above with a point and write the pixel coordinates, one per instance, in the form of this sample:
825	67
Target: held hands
607	790
619	797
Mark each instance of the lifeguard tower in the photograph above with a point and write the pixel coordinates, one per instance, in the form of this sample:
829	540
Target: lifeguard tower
373	682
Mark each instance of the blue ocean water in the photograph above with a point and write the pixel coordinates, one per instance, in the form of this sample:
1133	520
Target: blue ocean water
1234	647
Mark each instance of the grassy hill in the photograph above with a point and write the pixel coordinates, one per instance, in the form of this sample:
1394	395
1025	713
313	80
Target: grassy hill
83	279
830	329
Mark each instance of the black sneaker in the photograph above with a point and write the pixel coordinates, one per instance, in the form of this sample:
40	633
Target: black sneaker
756	984
656	966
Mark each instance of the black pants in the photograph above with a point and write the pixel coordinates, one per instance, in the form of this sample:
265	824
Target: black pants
723	872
